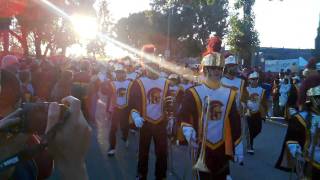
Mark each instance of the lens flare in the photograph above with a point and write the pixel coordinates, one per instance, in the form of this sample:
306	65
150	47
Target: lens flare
155	59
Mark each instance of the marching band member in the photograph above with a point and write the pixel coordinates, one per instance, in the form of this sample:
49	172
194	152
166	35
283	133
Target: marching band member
80	86
256	105
131	74
146	101
175	88
231	80
302	137
175	91
284	94
119	105
223	125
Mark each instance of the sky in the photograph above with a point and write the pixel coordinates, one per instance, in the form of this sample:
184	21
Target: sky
289	24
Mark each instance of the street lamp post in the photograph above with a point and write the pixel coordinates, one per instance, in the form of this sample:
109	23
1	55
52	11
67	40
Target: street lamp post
167	53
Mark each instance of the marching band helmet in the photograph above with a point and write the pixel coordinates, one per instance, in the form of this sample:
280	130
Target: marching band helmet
231	66
315	91
213	60
254	75
173	77
231	60
313	95
10	63
119	67
149	49
310	89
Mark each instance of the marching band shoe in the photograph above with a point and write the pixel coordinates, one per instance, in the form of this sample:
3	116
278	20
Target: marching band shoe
133	131
250	151
111	152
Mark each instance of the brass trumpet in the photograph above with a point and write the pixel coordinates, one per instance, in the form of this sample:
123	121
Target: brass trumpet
170	106
201	164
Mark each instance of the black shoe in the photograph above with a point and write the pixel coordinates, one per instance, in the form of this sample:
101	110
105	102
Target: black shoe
250	151
111	152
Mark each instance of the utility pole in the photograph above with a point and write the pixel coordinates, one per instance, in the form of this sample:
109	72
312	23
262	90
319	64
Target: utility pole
317	43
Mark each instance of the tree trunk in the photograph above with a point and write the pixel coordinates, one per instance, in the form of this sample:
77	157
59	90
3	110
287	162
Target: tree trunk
37	45
24	41
6	42
4	32
47	49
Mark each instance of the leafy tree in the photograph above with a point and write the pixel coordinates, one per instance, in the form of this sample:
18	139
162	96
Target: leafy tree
243	38
137	29
40	27
180	25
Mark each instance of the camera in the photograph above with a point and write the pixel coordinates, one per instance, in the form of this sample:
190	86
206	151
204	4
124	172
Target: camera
31	118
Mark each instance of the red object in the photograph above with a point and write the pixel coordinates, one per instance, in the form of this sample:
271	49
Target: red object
149	48
312	64
216	103
9	8
214	45
310	82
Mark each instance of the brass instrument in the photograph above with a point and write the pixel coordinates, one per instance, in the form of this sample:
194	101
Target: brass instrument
170	106
201	164
315	142
170	110
304	160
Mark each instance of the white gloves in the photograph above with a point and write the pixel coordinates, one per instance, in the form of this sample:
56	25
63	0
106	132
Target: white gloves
137	119
238	157
190	134
294	149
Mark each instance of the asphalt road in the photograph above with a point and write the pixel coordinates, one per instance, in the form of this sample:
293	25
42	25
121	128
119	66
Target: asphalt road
123	165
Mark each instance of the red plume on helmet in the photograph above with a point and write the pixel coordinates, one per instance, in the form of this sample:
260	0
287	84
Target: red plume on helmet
149	48
310	82
213	45
312	64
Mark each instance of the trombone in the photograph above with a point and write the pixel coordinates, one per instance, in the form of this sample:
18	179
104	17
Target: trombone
170	105
200	164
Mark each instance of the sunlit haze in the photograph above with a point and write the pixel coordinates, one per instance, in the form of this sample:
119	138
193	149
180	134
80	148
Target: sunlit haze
86	27
287	23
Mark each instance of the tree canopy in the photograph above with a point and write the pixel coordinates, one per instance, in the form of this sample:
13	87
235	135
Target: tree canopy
181	26
243	38
40	30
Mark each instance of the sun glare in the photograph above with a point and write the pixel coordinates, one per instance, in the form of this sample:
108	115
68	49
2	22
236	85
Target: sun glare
76	50
85	26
